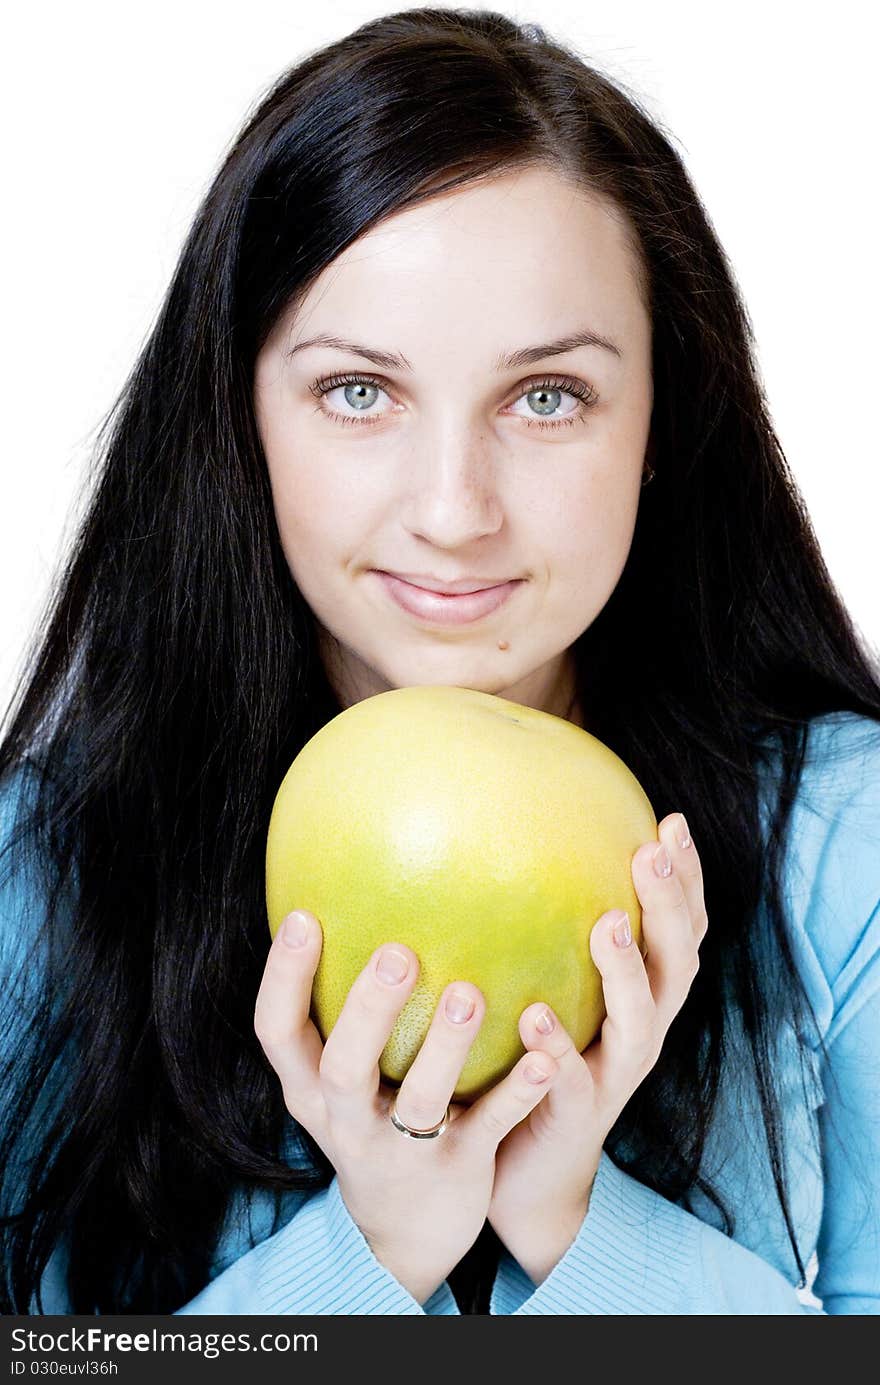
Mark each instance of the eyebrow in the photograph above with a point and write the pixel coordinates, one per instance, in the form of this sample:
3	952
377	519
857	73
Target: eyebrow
508	360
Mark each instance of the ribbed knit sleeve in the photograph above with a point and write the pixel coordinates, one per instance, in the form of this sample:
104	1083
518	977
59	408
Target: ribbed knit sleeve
639	1254
319	1263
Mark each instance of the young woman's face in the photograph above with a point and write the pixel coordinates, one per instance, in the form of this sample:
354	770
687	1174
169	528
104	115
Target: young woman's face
446	463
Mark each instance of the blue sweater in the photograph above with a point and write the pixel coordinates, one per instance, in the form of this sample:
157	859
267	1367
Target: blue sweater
636	1252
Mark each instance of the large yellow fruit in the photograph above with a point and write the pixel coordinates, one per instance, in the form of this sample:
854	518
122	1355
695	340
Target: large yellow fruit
487	836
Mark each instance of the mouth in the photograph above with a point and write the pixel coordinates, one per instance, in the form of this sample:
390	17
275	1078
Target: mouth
445	608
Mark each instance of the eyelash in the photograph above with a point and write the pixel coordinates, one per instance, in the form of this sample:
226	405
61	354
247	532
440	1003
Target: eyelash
585	395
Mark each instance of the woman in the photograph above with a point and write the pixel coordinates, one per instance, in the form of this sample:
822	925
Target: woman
539	323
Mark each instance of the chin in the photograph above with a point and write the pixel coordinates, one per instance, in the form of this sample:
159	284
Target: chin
451	672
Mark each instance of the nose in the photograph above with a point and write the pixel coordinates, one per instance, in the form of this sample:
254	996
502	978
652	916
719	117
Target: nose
453	494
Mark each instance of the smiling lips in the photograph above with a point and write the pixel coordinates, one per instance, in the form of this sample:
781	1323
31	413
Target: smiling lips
441	608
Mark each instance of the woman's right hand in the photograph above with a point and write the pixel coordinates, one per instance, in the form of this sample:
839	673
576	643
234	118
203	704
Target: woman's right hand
420	1204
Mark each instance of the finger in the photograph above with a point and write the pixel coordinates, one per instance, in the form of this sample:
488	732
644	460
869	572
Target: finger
671	947
430	1081
541	1030
349	1065
494	1115
628	1034
287	1035
674	833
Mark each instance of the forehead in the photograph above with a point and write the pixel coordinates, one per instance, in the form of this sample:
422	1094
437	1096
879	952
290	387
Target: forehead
517	254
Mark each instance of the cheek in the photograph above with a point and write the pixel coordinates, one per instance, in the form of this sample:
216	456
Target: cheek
589	533
611	520
316	512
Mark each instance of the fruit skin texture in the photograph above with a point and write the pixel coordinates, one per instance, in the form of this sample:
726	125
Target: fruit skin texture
487	836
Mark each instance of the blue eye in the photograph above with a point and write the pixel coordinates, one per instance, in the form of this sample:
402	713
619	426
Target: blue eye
546	398
361	391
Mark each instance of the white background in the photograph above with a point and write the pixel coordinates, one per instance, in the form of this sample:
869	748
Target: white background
116	118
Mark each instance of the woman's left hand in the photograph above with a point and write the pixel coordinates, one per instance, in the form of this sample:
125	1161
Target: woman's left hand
544	1169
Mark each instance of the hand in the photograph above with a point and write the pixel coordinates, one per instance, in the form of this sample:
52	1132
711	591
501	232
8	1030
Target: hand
544	1169
420	1204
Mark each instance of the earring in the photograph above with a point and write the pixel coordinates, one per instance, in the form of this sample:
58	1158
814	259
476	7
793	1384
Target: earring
648	474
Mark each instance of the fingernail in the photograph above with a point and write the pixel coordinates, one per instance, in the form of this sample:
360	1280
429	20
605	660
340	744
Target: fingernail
534	1073
295	930
545	1023
620	929
459	1006
392	965
682	835
662	862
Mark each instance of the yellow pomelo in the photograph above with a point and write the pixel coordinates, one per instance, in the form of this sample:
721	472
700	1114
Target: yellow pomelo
487	836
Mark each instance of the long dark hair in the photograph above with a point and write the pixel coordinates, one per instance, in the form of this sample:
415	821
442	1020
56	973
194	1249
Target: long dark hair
178	675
